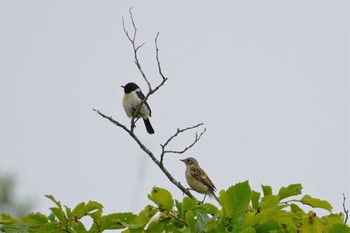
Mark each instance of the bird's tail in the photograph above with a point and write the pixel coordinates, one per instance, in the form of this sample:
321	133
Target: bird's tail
148	125
213	195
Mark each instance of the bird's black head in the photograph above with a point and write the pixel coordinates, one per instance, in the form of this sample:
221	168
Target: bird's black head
130	87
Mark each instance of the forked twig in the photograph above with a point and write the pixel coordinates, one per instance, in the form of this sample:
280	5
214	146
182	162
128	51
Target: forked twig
179	131
136	47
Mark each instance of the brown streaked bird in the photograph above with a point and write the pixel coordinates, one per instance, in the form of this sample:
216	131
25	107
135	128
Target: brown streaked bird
197	179
131	100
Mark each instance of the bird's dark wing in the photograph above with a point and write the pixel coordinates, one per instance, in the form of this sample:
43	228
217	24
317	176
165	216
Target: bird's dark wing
142	97
199	174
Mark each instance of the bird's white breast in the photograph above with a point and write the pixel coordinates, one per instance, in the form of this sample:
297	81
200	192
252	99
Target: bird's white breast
131	102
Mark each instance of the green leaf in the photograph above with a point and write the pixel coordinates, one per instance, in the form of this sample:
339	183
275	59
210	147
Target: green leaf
271	226
60	215
209	208
202	219
15	228
116	221
316	203
269	201
186	204
291	190
156	227
34	218
50	227
339	228
235	200
311	224
7	219
162	198
248	230
267	190
57	211
190	219
255	196
143	218
54	200
297	210
83	209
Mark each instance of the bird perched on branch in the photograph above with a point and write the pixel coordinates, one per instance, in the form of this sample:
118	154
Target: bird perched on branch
197	179
133	97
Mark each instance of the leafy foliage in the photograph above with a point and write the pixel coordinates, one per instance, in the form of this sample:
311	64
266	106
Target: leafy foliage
243	210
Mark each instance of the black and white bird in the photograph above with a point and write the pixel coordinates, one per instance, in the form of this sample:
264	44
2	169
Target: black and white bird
131	100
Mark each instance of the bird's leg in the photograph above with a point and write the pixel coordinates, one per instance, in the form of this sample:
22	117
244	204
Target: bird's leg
188	189
204	198
133	123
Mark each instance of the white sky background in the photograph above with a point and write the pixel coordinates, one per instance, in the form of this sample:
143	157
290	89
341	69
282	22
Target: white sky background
269	79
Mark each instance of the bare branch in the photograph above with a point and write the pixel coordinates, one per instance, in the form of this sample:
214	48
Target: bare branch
346	211
197	138
132	38
149	153
157	57
135	47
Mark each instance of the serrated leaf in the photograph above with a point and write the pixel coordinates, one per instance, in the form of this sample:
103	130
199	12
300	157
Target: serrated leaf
59	214
316	203
267	190
209	208
297	210
190	219
83	209
162	198
255	196
339	228
311	223
55	201
143	218
34	218
235	200
291	190
48	227
15	228
116	221
156	227
7	219
271	226
269	201
202	219
78	227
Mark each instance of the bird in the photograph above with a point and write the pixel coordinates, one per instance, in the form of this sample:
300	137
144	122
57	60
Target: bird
197	179
133	96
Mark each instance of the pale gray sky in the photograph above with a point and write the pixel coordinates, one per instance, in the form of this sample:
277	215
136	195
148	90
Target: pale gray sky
270	80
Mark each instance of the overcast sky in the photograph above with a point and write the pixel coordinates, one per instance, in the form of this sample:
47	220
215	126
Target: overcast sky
269	79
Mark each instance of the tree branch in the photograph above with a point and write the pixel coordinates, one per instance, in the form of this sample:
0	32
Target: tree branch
149	153
179	131
346	211
135	47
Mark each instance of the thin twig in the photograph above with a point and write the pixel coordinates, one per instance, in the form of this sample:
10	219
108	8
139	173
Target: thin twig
135	47
197	138
157	57
346	211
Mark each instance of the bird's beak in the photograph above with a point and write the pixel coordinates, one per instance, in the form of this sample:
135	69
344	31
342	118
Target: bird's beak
182	160
122	86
